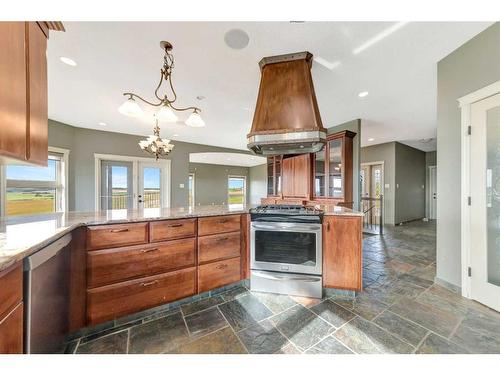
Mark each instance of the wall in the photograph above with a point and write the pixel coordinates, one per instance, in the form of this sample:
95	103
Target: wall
472	66
430	160
353	126
210	182
409	201
258	183
384	152
83	143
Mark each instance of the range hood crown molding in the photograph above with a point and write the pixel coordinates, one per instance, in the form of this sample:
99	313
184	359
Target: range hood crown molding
286	119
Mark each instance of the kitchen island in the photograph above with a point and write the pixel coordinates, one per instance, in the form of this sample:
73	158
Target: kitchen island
122	262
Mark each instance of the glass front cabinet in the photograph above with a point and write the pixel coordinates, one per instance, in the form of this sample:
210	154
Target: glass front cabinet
333	169
274	176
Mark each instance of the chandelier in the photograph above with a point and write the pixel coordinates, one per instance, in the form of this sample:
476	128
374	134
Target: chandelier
156	146
165	104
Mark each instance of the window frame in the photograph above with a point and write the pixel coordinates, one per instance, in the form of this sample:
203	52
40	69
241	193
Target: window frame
61	183
244	188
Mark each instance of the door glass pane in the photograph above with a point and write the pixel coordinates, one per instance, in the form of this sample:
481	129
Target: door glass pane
493	194
285	247
236	191
191	189
270	176
277	168
319	174
116	185
151	194
335	169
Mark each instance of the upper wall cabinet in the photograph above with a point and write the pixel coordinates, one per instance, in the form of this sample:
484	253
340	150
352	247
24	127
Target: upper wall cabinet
297	176
23	92
333	168
274	176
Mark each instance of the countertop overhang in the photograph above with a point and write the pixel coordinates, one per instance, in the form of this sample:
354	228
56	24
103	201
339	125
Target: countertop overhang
24	235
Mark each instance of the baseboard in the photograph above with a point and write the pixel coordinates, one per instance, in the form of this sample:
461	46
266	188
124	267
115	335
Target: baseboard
445	284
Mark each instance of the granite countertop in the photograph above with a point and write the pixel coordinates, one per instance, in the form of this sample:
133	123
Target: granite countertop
24	235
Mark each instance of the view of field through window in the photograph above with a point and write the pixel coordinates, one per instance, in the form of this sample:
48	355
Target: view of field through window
22	200
236	190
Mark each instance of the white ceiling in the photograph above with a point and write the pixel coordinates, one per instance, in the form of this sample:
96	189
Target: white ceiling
226	158
399	72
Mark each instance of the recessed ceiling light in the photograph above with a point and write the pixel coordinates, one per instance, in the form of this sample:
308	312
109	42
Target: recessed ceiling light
176	135
377	38
362	94
327	64
68	61
102	123
371	139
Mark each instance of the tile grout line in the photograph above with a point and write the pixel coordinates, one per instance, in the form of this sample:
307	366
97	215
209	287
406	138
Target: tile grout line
232	329
422	341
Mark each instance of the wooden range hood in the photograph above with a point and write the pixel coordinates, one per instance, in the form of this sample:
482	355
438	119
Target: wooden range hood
286	119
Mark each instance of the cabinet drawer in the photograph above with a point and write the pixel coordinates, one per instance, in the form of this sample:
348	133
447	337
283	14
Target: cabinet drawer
113	301
11	332
218	224
217	274
219	246
114	265
106	236
171	229
11	289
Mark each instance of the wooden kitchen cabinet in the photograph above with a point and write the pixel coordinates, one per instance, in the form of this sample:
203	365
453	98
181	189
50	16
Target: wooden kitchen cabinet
23	93
342	252
296	176
11	310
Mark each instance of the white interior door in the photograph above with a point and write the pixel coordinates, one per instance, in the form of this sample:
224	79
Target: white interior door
485	201
432	193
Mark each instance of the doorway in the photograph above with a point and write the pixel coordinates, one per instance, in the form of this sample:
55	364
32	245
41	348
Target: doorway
481	219
372	203
124	182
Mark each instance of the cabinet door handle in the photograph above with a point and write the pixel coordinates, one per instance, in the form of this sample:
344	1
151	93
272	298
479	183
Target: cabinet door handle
175	225
149	250
150	283
119	230
221	266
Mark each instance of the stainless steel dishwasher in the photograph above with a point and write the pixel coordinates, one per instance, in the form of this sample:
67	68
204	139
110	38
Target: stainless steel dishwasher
46	292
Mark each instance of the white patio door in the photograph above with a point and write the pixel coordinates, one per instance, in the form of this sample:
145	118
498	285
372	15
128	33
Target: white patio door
485	201
151	187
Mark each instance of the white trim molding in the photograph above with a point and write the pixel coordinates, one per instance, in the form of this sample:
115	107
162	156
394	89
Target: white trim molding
465	103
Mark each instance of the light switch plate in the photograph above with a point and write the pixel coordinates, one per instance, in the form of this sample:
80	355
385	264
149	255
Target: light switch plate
387	186
181	186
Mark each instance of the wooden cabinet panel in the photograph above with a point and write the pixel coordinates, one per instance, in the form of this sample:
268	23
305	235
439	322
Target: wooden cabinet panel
116	300
302	176
11	289
217	274
342	252
13	104
114	265
245	246
11	332
287	187
171	229
219	246
107	236
78	280
218	224
37	96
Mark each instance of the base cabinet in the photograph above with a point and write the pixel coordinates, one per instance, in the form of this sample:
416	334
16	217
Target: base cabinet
342	252
11	332
11	310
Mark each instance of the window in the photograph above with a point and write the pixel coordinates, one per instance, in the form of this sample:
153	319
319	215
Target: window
191	189
237	187
34	190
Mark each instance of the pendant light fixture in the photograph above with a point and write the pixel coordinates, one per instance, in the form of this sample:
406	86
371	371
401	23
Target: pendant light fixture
155	145
165	103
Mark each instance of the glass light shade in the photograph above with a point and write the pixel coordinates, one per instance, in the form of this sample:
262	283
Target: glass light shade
166	114
130	108
195	120
143	144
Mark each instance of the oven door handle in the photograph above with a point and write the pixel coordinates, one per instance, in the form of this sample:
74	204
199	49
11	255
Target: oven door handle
286	227
265	275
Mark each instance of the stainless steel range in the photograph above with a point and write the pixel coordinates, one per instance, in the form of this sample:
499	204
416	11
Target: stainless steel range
286	250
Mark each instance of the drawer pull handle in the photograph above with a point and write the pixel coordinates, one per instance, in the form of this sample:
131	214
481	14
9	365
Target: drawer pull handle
150	283
149	250
119	230
222	239
221	266
175	225
222	221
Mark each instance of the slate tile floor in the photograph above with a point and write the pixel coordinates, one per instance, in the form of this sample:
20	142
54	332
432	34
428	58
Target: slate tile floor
401	310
